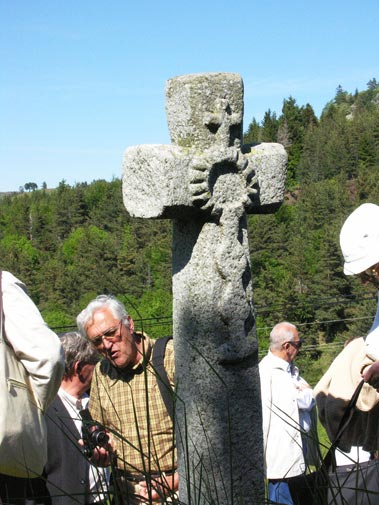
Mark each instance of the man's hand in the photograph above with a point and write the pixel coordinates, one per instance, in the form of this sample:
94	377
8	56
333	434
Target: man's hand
101	456
161	487
371	375
303	385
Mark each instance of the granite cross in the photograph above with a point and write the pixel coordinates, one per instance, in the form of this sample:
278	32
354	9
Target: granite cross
206	181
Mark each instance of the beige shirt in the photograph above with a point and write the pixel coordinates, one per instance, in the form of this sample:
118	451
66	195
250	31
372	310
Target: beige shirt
334	391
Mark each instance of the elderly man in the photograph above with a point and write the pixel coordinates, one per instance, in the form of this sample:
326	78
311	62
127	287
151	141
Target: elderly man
63	482
126	399
286	402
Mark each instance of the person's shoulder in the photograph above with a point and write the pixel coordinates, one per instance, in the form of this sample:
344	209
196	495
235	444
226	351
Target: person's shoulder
169	353
266	362
169	347
169	359
272	364
7	276
9	279
265	367
55	406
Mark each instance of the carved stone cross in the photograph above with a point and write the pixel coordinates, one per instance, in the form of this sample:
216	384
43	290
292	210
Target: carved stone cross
207	182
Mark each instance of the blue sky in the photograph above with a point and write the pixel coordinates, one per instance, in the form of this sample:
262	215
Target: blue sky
82	80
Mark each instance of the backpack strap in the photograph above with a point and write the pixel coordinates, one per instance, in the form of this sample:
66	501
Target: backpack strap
164	385
329	460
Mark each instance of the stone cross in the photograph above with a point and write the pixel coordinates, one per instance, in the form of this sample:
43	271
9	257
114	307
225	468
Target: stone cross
207	182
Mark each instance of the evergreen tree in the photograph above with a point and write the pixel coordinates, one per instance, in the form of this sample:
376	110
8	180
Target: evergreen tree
372	84
253	134
291	129
269	130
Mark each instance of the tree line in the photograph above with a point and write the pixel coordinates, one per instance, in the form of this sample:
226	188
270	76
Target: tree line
70	244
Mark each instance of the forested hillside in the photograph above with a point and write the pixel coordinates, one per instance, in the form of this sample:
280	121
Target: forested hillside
72	243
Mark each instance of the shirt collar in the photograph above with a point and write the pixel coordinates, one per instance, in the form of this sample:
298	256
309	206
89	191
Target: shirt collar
146	352
279	362
70	401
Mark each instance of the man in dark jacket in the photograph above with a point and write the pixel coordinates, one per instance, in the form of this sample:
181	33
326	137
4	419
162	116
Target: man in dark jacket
68	476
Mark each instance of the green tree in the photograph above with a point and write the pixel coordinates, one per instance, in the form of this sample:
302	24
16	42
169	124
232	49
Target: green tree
269	130
294	122
253	134
372	84
20	257
30	186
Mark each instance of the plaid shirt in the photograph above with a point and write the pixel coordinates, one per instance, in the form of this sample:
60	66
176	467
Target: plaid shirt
129	404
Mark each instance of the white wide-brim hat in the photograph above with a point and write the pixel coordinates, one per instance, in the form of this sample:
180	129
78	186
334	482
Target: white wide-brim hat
359	239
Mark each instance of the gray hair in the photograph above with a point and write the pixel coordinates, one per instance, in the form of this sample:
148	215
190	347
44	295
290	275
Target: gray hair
77	349
102	301
281	332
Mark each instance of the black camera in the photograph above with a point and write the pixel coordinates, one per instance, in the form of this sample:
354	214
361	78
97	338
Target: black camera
93	433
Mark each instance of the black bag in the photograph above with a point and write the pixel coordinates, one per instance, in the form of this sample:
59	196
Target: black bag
355	484
310	488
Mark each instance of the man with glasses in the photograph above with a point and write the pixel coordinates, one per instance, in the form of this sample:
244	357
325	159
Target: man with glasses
287	400
125	398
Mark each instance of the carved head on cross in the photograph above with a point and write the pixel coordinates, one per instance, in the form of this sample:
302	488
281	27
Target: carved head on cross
205	109
204	114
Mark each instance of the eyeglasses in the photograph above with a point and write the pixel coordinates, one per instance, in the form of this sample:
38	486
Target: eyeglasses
112	335
295	343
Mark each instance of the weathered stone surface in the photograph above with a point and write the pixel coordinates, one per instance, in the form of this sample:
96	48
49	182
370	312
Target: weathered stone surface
207	183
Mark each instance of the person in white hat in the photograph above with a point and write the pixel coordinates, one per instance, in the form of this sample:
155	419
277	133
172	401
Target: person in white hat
359	240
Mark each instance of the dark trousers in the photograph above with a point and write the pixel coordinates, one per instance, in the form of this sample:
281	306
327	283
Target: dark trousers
14	490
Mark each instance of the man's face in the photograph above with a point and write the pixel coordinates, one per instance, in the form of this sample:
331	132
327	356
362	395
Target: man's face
113	339
293	347
85	375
